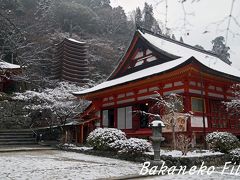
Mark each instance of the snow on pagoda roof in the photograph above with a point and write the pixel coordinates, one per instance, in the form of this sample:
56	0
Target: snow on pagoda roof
74	40
184	52
6	65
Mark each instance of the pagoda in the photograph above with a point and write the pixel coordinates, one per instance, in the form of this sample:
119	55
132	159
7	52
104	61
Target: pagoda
70	62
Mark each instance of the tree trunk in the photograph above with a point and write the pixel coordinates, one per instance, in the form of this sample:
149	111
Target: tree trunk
174	136
173	131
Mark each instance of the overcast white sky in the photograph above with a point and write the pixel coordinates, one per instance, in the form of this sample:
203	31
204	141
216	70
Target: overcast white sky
202	16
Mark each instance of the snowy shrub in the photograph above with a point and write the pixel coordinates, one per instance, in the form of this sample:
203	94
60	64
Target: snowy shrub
235	155
4	96
118	145
101	138
222	141
131	146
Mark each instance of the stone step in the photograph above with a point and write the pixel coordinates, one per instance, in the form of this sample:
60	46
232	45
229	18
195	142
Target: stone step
11	130
16	134
13	136
17	137
18	140
29	147
18	143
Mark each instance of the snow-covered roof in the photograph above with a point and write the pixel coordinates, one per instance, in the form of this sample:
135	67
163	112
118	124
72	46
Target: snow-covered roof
184	51
72	123
178	49
6	65
174	47
134	76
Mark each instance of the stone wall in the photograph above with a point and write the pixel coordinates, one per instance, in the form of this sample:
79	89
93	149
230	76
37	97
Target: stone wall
13	115
214	160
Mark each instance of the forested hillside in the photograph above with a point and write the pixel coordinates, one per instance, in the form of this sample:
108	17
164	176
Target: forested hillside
30	28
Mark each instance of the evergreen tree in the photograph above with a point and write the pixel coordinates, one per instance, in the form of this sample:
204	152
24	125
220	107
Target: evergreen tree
138	17
75	15
168	33
173	37
156	28
221	49
148	18
114	21
199	47
10	5
181	39
95	4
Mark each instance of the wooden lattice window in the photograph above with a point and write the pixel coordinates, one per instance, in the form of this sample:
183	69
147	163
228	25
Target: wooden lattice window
197	104
219	115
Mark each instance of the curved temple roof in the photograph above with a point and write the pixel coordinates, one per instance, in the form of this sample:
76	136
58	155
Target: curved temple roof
6	65
185	52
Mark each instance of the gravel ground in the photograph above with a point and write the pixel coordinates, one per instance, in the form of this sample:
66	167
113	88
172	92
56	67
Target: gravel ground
219	173
214	176
54	164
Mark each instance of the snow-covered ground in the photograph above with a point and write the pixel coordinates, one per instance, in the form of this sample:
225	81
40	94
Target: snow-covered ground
214	176
218	174
195	153
57	165
54	164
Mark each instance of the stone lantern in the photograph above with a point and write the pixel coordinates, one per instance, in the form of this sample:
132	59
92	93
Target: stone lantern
156	137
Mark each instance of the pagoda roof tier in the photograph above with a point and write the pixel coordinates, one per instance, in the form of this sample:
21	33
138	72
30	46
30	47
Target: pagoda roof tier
76	41
74	71
72	79
71	44
75	59
78	68
75	63
75	56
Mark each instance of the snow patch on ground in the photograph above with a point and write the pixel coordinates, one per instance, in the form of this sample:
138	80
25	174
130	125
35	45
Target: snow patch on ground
214	176
80	148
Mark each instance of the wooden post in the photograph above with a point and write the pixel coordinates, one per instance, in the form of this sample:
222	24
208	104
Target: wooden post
81	134
203	107
76	134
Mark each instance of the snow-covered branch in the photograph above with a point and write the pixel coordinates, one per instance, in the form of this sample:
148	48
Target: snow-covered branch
234	104
59	100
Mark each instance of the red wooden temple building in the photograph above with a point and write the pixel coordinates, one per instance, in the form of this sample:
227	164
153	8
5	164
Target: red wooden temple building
7	72
157	63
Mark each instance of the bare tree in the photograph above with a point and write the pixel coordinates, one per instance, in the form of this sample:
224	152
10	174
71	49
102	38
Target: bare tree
167	109
183	143
19	44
